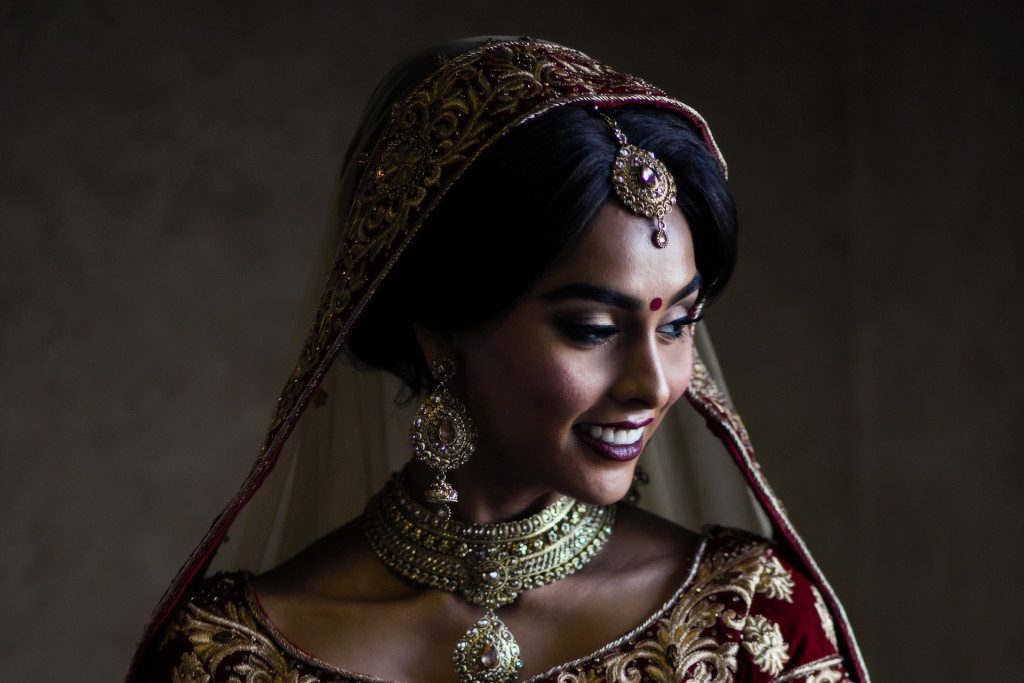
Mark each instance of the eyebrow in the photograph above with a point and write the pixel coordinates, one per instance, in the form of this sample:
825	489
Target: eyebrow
606	295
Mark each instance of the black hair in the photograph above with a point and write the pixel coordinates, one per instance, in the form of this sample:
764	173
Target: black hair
520	206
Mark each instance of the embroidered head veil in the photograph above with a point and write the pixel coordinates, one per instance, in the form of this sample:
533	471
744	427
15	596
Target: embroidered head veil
337	434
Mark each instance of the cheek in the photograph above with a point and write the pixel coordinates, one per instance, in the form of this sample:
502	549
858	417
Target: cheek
558	382
682	375
569	384
541	381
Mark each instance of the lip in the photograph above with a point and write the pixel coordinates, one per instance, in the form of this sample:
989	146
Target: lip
620	452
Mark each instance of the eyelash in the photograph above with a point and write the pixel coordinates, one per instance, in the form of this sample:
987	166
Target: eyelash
593	335
596	335
680	328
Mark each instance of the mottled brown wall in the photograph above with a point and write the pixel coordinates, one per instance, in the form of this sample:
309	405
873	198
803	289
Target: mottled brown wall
164	173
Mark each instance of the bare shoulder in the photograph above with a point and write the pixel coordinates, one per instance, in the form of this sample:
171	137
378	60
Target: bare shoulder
339	567
646	555
645	540
337	600
656	533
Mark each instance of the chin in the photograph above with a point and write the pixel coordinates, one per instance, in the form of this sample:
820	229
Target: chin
605	488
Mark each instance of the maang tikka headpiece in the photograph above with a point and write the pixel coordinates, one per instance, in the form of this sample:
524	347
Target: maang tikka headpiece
642	182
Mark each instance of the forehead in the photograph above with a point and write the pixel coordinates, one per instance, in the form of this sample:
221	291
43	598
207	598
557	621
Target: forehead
617	251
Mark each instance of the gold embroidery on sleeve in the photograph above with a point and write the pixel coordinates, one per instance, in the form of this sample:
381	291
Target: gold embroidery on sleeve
776	581
216	638
762	638
827	624
189	670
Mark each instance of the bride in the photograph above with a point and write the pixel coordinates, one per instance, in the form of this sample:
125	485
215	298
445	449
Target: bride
526	240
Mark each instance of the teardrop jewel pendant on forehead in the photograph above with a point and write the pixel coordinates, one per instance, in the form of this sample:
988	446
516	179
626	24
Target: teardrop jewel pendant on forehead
642	182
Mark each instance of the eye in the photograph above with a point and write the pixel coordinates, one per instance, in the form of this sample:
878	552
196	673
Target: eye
583	333
677	329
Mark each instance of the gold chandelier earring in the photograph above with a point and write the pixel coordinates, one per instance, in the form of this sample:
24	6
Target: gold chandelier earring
443	437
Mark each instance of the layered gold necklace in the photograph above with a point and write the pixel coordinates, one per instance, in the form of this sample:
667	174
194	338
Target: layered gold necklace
489	564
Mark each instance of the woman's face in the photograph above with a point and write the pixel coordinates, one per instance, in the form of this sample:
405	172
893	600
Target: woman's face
567	388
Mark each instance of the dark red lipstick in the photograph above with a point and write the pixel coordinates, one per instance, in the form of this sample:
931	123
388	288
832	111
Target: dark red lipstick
617	452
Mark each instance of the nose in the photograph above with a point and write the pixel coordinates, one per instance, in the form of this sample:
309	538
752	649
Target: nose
643	376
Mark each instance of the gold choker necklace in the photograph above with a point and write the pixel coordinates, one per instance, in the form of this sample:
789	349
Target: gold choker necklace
490	564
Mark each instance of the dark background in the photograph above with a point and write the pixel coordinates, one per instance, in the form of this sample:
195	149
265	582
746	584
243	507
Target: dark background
166	168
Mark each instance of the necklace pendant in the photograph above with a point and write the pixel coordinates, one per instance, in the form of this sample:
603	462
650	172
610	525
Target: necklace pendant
488	653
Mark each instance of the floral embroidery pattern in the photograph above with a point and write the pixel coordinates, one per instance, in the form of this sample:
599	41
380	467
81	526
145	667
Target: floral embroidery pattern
776	582
688	645
762	638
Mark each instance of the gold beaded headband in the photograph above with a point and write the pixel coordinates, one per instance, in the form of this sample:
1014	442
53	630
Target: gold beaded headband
642	182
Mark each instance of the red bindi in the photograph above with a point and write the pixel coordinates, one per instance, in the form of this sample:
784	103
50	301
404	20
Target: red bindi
655	303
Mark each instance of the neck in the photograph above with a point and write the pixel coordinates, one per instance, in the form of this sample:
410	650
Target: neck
486	496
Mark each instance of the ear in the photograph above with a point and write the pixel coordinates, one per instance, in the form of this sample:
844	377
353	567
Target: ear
433	345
